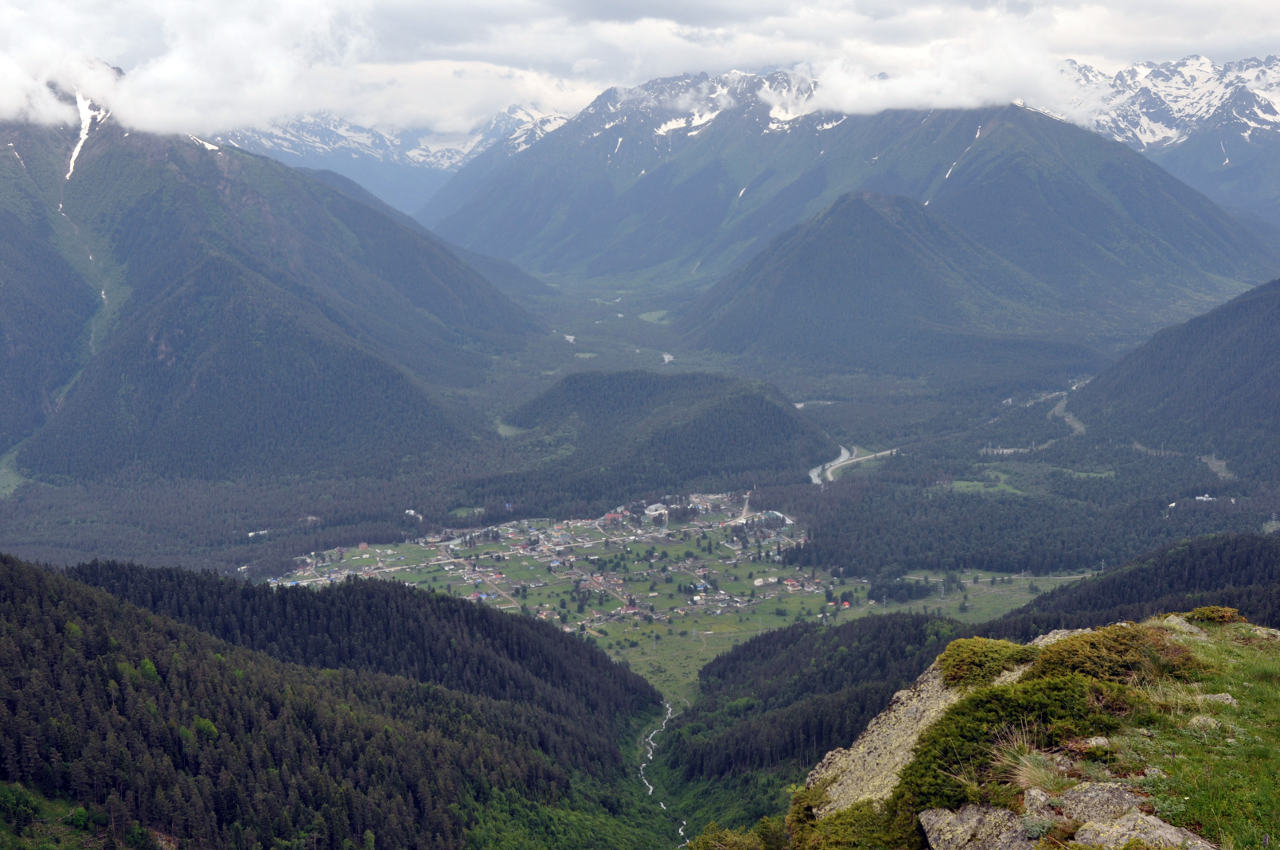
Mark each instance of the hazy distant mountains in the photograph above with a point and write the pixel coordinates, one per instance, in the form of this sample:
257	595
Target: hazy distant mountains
1214	126
882	283
185	308
405	167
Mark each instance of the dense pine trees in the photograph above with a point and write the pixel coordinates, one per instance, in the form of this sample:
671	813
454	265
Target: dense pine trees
154	722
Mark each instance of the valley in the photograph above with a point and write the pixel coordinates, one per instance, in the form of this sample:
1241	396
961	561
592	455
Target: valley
663	589
585	479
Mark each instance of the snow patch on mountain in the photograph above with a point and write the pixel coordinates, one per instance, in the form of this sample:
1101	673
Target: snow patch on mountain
90	116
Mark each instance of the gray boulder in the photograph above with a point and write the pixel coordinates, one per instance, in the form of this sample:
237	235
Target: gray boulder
974	828
1145	828
1097	801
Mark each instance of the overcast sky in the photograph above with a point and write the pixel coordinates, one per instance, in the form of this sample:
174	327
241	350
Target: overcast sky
206	65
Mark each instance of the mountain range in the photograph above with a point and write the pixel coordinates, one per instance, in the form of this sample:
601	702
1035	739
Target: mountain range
403	167
222	344
1213	125
682	182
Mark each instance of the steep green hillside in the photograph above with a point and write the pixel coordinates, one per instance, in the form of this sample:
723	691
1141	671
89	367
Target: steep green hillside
200	345
389	628
884	284
262	323
1206	387
1125	245
768	710
1153	734
161	725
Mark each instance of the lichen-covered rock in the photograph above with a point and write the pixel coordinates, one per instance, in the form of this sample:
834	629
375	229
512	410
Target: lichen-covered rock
1140	827
1097	801
1202	723
1037	803
1180	624
1266	633
1222	699
974	828
869	769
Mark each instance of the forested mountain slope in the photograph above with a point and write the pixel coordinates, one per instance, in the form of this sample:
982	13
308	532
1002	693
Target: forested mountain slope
1205	387
885	284
770	707
248	318
1042	242
682	180
166	726
628	434
1240	571
389	628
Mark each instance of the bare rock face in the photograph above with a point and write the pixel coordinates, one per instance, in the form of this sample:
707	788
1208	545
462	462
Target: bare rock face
974	828
1137	826
869	769
1097	801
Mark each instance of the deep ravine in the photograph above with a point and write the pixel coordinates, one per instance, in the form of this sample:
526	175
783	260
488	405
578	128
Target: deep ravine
648	759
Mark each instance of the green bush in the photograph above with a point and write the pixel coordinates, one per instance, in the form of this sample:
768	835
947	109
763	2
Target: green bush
861	826
1215	614
970	662
1120	653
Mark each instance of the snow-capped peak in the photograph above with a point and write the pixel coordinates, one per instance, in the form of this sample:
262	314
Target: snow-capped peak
671	109
1160	104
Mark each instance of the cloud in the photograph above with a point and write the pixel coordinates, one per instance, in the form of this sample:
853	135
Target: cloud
446	64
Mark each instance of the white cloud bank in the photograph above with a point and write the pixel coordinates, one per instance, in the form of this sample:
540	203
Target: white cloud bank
447	64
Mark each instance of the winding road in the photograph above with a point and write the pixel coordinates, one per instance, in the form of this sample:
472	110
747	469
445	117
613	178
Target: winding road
826	472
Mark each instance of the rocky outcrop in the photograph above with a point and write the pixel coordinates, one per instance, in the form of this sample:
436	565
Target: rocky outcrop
1182	625
974	828
869	769
1136	826
1105	814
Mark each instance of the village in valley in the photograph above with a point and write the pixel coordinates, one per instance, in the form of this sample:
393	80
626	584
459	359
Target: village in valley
664	587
